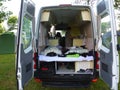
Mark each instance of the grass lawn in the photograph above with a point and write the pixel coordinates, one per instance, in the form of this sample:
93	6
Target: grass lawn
8	81
7	72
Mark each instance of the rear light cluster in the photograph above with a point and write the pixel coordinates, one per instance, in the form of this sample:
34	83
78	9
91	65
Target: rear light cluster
97	60
35	60
95	79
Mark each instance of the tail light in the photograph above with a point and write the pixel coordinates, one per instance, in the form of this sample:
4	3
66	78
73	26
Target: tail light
35	60
97	60
35	67
95	79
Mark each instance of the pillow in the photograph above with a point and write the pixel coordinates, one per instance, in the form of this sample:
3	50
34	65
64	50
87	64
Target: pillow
51	49
77	50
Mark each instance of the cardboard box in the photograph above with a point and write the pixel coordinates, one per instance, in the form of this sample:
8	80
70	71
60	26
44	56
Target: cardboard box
53	42
78	42
83	65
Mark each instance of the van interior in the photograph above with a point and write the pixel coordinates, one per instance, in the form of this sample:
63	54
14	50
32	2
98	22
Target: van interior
66	38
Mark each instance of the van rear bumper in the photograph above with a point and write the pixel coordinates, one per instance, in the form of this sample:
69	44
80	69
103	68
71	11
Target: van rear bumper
65	77
69	84
57	80
67	81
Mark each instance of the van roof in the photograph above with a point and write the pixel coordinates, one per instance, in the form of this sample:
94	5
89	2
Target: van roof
66	6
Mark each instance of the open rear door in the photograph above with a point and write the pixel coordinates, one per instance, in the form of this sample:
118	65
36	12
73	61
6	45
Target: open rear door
109	60
24	63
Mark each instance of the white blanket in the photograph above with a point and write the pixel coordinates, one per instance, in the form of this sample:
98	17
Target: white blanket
66	59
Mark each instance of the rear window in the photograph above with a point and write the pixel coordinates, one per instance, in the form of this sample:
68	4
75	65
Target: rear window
26	32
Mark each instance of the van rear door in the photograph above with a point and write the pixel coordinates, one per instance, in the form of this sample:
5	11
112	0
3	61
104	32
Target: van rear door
24	62
109	60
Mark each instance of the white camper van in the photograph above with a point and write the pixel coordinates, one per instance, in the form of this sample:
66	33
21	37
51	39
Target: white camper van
62	51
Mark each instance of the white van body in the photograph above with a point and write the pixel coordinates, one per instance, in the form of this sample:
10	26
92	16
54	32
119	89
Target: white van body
70	60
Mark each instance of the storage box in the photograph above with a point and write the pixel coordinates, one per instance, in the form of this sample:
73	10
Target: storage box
86	16
53	42
83	65
45	16
78	42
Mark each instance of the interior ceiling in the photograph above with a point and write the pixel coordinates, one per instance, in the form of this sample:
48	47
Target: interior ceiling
65	16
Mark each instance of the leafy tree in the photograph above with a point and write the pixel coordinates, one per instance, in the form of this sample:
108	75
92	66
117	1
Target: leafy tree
3	13
2	29
105	26
12	21
117	3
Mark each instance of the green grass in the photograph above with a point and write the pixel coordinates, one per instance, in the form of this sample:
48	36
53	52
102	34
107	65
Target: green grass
7	72
8	81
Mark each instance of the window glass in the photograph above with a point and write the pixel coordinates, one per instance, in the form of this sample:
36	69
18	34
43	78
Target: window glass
106	31
26	32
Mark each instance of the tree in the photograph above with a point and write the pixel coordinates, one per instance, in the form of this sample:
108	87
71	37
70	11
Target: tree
12	21
2	29
117	4
3	13
105	26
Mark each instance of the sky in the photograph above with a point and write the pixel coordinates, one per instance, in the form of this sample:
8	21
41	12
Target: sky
14	6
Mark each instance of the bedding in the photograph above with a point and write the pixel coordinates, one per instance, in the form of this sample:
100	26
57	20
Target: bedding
66	59
51	49
50	54
79	50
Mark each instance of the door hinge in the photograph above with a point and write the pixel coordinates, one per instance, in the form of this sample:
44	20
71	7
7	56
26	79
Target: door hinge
118	47
19	73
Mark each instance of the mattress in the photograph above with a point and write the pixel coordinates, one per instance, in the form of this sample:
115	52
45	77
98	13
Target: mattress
66	59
